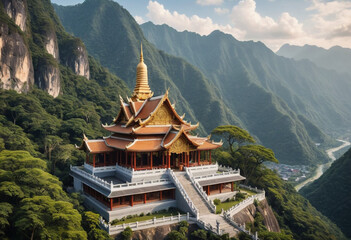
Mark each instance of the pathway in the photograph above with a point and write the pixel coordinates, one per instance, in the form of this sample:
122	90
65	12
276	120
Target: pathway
205	213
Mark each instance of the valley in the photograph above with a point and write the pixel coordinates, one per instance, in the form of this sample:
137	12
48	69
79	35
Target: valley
323	167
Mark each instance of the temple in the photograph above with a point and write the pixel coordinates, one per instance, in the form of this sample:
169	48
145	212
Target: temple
133	169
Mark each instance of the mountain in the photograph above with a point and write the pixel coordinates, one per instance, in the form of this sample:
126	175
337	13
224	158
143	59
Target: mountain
111	35
331	193
335	58
319	95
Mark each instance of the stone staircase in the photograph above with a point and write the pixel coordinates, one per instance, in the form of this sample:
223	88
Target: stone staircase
193	194
205	213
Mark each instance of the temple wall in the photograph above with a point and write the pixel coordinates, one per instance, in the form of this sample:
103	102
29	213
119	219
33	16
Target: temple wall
223	196
77	184
181	202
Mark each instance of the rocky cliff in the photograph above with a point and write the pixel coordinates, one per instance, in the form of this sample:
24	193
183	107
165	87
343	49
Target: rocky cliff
32	46
16	68
16	10
247	215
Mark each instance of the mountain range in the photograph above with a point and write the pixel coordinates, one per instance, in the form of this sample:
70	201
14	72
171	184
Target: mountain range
335	58
221	91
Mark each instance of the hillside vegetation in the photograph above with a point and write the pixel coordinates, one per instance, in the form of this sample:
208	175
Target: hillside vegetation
331	193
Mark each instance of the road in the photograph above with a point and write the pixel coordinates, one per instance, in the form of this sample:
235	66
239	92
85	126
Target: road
319	171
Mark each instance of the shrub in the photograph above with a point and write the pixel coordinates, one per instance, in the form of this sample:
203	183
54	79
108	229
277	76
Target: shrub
217	201
127	234
240	196
141	214
199	234
175	235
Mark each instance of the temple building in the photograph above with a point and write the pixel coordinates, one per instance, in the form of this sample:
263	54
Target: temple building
131	171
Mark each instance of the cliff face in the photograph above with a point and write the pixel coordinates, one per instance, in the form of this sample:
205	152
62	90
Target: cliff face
33	44
247	215
48	78
16	68
16	10
73	54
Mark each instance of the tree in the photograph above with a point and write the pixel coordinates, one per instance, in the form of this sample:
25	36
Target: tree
91	224
41	217
127	234
234	136
5	212
52	143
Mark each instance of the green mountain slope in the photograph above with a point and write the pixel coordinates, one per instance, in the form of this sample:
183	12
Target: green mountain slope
112	35
335	58
321	96
331	193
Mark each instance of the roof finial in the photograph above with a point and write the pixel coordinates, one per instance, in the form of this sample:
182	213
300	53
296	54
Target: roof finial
141	52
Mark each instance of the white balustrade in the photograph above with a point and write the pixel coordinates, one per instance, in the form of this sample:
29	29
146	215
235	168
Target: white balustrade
111	186
112	229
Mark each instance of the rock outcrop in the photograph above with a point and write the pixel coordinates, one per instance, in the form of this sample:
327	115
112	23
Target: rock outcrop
16	68
247	215
73	54
51	45
47	77
16	10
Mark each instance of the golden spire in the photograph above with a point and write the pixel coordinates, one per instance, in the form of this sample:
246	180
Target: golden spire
142	90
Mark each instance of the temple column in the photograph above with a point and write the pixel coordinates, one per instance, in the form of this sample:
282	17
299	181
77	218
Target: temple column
198	157
87	158
94	160
160	195
132	200
163	159
111	203
220	188
232	187
208	190
144	197
151	154
168	160
104	159
187	158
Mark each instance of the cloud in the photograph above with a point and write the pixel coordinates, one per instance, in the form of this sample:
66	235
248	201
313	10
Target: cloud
244	16
139	19
209	2
204	26
330	19
221	11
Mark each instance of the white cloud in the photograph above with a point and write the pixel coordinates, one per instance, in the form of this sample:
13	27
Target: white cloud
221	11
139	19
204	26
244	16
330	20
209	2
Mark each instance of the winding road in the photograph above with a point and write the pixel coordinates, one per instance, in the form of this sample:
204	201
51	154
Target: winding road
319	170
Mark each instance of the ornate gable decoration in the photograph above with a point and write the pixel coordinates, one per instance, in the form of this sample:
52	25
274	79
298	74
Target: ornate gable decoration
182	144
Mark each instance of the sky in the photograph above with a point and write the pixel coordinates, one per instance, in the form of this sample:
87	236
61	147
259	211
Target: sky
324	23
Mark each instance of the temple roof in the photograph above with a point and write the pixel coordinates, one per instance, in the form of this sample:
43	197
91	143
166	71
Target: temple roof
147	124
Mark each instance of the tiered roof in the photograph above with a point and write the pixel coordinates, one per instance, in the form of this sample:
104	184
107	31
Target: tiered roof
147	125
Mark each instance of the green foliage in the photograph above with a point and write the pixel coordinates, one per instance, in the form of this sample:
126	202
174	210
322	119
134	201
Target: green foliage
216	201
42	217
239	196
32	201
330	194
175	235
266	235
199	234
91	223
127	234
